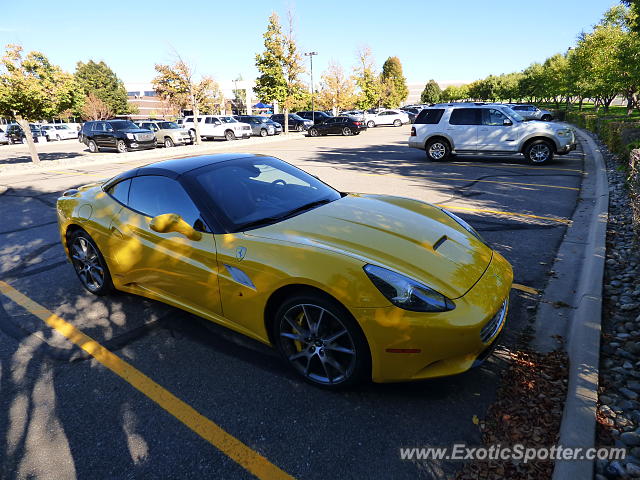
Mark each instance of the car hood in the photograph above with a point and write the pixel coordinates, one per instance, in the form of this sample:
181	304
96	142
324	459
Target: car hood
135	130
410	237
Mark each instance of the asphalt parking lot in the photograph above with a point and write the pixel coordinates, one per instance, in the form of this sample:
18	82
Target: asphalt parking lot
64	414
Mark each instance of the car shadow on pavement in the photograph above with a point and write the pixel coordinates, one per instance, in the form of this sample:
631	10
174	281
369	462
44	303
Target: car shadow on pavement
23	157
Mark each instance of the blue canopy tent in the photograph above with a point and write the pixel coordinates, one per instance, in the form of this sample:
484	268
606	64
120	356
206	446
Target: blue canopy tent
263	106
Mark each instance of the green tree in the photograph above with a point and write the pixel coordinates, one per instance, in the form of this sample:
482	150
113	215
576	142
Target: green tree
176	84
367	80
280	66
31	89
100	81
394	85
431	92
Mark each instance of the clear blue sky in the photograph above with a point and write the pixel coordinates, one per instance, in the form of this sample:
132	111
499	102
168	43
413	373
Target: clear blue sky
448	41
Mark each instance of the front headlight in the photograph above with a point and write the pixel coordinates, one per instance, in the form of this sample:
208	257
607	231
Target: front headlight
565	132
131	136
407	293
464	224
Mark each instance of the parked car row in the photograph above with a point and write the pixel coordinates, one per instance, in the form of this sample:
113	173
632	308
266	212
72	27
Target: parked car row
48	132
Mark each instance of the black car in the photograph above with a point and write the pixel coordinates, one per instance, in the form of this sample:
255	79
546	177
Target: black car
296	122
338	126
15	134
123	135
316	117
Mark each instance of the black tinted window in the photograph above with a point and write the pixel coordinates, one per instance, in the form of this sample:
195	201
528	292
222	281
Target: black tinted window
120	191
430	116
155	195
465	116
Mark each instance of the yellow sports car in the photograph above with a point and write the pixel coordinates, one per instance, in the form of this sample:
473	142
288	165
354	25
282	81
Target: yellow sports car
346	286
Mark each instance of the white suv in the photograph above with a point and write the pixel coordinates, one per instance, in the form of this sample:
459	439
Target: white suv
477	128
218	126
396	118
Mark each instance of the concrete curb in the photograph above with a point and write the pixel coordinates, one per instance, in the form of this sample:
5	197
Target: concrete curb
580	271
106	158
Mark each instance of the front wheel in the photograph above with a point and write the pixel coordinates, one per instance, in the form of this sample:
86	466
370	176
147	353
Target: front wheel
168	143
263	132
371	124
314	132
438	150
539	152
299	128
547	118
229	135
321	341
121	146
89	264
397	123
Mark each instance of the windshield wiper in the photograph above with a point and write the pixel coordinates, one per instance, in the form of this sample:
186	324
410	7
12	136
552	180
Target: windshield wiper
268	220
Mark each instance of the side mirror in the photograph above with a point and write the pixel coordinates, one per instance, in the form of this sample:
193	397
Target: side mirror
172	222
506	122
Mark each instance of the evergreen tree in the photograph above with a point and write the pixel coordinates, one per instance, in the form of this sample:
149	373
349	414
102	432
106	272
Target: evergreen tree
431	92
102	82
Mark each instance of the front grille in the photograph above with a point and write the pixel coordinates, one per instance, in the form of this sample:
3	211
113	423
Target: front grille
144	137
246	127
493	325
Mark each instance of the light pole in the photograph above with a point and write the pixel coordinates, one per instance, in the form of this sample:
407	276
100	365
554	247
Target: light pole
313	113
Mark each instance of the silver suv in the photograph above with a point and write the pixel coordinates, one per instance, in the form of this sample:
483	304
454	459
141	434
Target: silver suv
531	112
479	128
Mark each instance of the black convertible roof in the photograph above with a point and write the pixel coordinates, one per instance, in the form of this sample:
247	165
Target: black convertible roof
175	167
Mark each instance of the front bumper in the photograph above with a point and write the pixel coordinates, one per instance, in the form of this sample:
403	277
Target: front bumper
138	145
413	345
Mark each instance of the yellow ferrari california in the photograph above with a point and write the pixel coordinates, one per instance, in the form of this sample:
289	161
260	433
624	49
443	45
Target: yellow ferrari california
345	286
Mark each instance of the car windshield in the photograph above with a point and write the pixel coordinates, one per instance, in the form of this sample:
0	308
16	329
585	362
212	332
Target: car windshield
258	191
512	113
295	117
123	125
168	125
62	127
228	119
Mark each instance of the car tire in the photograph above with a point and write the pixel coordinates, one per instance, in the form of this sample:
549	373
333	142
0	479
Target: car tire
346	131
397	123
58	138
299	128
371	124
121	146
539	152
93	146
438	150
313	132
263	132
229	135
547	118
333	356
168	143
89	264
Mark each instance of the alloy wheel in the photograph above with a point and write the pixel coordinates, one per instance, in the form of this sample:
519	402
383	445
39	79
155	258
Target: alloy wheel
540	153
317	344
346	131
437	150
87	264
121	146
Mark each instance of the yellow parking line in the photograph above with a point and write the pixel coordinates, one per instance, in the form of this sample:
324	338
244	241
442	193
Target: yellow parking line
500	212
473	180
251	460
524	288
455	164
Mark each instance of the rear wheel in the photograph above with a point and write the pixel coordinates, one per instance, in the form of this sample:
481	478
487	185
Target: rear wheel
89	264
121	146
438	150
313	132
346	131
229	135
93	146
547	118
397	123
58	138
371	124
538	152
321	341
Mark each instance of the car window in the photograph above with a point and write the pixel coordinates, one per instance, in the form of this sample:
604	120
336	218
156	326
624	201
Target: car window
429	116
154	195
532	108
465	116
491	116
97	127
120	191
